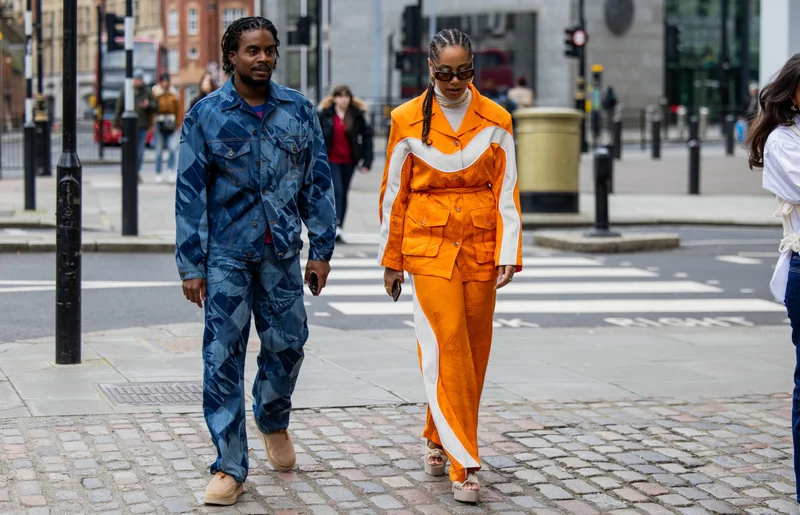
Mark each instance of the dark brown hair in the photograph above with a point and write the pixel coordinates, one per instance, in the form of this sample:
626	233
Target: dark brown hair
775	102
350	114
445	38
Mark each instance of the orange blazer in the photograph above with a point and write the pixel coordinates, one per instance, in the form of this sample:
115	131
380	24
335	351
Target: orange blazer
458	196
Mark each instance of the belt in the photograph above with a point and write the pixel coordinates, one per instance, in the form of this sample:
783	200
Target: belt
448	191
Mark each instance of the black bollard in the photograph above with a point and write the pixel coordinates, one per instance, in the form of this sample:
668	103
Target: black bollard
602	178
617	127
611	150
69	210
694	167
694	128
729	137
656	137
643	127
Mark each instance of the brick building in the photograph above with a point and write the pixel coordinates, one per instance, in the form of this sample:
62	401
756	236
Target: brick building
193	32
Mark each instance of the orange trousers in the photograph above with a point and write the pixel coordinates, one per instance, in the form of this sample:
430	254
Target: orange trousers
453	321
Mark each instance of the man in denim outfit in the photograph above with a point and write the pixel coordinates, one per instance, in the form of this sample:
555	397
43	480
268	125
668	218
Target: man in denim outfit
252	165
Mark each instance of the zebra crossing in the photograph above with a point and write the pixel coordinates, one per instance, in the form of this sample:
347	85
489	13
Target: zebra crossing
551	291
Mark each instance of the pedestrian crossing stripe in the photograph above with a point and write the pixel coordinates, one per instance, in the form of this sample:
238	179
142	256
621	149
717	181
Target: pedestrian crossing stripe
526	261
546	288
538	273
552	307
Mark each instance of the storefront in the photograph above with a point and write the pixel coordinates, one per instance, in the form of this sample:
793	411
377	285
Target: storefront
695	71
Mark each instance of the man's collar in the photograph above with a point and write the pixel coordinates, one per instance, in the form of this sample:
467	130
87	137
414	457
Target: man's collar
231	98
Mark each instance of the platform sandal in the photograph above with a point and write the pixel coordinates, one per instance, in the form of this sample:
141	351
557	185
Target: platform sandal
463	494
434	453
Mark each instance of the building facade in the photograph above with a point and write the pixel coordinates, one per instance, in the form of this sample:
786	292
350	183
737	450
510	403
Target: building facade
518	38
147	22
192	34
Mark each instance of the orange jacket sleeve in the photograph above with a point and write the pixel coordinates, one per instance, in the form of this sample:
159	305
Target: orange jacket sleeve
508	250
394	196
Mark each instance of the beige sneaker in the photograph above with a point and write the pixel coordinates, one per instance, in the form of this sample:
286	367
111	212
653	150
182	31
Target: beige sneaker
223	490
280	450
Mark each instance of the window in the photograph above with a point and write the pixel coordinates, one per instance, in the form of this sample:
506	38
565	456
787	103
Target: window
193	53
137	8
172	23
193	22
173	61
231	15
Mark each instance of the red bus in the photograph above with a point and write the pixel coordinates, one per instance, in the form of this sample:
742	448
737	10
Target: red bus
151	57
493	72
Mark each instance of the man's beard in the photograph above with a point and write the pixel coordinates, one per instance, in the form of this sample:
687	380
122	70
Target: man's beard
253	82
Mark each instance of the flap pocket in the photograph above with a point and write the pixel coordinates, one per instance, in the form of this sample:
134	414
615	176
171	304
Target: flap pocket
428	216
292	143
230	149
484	217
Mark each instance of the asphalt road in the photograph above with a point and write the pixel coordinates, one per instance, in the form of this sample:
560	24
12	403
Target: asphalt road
719	277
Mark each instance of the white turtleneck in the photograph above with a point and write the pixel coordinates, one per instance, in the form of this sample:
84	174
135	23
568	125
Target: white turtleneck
454	115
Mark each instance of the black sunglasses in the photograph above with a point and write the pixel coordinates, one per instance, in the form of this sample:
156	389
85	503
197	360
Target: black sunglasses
448	76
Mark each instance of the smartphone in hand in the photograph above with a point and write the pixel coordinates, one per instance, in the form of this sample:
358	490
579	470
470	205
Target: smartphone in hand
313	284
397	289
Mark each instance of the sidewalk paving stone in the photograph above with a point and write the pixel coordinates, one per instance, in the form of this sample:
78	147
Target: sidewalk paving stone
157	462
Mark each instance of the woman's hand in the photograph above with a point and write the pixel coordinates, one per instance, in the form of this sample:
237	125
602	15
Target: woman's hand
363	169
504	275
389	277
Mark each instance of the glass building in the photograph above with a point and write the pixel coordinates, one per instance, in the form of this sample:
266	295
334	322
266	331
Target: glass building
695	74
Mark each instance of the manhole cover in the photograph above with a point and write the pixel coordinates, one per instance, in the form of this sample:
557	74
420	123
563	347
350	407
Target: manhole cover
154	394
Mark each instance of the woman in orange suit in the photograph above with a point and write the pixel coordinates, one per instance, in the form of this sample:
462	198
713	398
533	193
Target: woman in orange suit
450	217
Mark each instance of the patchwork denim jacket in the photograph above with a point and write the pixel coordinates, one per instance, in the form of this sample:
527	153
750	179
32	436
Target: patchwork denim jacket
239	176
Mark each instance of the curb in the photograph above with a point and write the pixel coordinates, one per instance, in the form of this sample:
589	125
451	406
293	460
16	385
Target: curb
534	222
576	242
110	247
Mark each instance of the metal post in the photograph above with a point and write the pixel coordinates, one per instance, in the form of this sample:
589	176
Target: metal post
99	93
745	57
694	157
419	61
724	62
68	206
44	164
387	108
656	137
729	124
30	127
617	132
602	177
610	148
130	176
580	94
643	127
320	53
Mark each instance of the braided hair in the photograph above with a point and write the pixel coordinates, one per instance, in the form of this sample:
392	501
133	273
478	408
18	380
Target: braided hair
445	38
230	41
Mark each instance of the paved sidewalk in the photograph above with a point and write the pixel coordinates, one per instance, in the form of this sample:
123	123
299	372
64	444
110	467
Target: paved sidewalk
724	456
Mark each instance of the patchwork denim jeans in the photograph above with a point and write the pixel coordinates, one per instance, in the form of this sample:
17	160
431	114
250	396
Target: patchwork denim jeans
272	290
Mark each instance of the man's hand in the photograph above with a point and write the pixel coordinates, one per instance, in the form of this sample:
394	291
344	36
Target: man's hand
389	277
504	275
195	291
322	269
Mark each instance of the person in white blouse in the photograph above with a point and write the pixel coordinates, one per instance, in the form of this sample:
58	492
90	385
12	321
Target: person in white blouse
774	145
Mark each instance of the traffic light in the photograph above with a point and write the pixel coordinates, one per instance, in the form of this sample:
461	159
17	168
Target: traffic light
302	35
574	40
570	49
411	31
114	30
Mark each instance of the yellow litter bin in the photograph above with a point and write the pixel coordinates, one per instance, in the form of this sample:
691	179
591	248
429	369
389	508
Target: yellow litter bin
548	157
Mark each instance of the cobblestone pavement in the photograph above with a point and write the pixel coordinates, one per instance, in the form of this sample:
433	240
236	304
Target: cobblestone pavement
655	457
